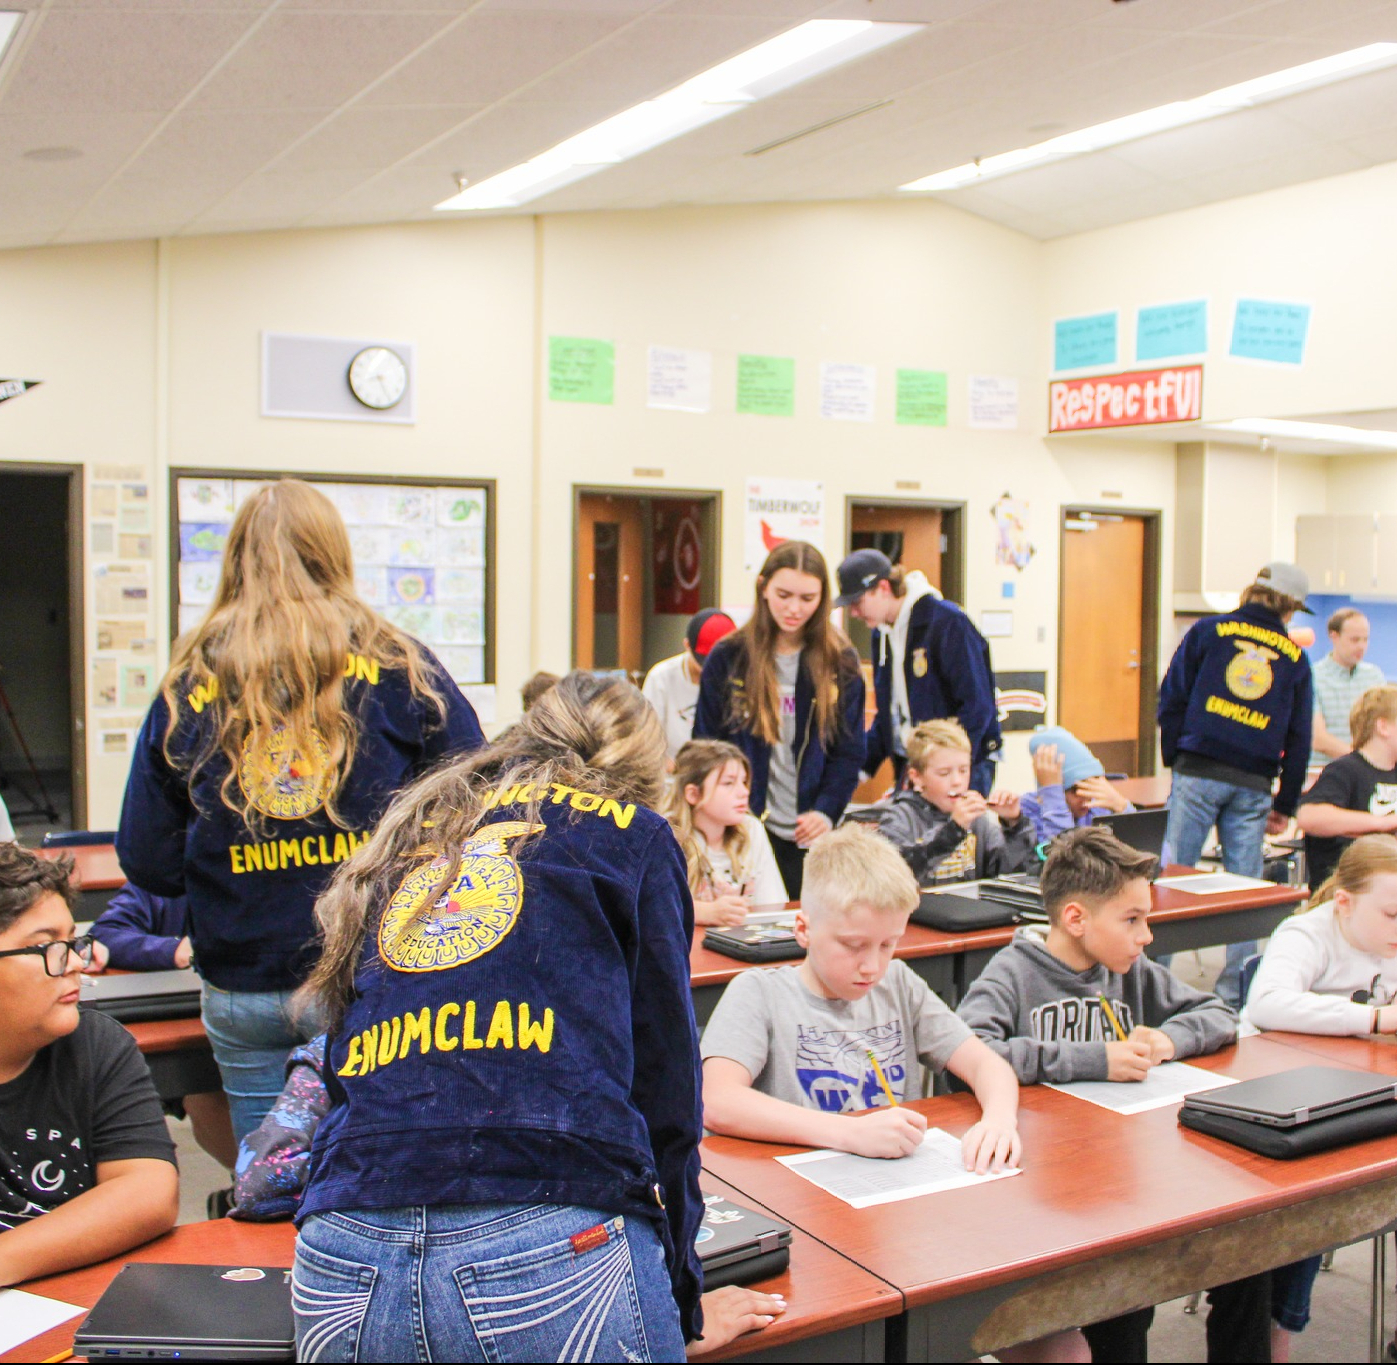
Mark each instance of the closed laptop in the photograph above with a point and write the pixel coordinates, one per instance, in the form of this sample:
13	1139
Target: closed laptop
130	996
737	1245
762	937
1139	829
1291	1098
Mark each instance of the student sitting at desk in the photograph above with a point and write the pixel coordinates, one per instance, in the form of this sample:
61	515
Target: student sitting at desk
1050	1003
731	865
1332	969
86	1164
1072	785
943	827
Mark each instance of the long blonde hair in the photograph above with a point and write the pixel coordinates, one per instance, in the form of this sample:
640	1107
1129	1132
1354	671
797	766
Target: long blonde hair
592	733
695	762
826	652
1368	856
273	652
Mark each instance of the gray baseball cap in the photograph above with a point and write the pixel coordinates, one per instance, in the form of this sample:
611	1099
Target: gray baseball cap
1290	580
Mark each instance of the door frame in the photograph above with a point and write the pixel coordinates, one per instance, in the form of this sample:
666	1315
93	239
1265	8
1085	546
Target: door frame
1152	517
952	557
77	633
589	490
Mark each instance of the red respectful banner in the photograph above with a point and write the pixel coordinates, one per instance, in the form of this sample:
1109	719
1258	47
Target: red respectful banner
1137	399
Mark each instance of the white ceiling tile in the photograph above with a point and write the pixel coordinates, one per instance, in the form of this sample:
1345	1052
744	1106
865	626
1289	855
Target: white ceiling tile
903	11
796	11
1374	147
574	6
1313	164
405	192
1078	179
1347	109
308	61
507	134
134	202
292	193
105	143
1284	18
367	138
1174	16
1238	139
195	145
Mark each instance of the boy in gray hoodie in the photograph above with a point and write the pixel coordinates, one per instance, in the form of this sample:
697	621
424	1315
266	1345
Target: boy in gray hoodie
1038	1004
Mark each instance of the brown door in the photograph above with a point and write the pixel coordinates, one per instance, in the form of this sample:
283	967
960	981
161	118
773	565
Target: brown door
1101	635
610	606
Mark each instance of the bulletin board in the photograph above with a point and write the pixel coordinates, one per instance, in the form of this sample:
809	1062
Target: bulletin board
424	554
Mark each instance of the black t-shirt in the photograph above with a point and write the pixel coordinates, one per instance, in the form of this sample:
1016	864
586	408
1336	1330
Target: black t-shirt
1352	783
84	1099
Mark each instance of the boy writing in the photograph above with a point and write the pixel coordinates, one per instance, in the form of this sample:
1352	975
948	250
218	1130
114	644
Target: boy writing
1039	1005
943	827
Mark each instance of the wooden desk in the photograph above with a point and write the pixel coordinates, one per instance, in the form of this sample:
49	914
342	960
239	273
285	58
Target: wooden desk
1145	793
223	1242
1112	1213
178	1054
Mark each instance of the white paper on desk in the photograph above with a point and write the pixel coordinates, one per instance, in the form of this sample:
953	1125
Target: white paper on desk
1213	883
862	1181
24	1316
1166	1084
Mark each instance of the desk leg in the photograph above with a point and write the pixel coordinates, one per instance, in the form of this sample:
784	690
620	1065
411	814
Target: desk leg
1378	1318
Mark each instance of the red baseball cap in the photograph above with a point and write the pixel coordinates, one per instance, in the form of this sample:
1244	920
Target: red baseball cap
706	628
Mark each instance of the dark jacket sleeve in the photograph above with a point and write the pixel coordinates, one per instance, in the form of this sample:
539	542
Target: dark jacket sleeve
668	1087
845	760
1297	741
141	931
961	660
1174	693
711	719
155	813
874	750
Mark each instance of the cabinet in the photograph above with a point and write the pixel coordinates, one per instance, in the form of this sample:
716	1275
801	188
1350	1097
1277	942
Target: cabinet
1341	553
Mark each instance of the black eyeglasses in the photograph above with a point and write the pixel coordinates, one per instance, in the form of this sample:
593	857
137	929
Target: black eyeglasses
1376	994
55	954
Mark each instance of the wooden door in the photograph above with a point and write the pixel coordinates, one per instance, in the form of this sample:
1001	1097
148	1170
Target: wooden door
609	611
1101	635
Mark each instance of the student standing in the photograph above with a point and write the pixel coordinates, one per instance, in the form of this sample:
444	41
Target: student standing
788	691
1235	709
1341	677
511	1153
288	719
672	686
930	663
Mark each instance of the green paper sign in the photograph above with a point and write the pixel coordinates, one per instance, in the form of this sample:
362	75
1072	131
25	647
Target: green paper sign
581	370
921	398
766	385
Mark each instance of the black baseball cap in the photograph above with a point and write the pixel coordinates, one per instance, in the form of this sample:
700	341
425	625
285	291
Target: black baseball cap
859	572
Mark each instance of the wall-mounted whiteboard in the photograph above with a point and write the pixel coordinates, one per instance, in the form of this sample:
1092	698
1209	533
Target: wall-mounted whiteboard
423	551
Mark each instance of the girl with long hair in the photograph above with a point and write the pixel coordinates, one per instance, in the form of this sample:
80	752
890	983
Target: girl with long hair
787	690
511	1153
731	866
288	719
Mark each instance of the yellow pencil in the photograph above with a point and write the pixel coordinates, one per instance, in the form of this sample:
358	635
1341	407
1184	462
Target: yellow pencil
55	1360
882	1079
1111	1015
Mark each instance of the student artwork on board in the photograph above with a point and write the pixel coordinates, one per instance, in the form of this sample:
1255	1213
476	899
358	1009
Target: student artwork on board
419	557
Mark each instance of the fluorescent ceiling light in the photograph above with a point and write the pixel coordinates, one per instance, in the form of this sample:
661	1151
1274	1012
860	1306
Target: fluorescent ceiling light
1360	437
9	26
1247	95
767	69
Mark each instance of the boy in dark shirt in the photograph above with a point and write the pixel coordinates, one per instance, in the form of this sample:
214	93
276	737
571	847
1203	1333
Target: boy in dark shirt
86	1164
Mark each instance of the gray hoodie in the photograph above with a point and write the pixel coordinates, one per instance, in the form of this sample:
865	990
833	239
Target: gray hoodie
939	850
1046	1020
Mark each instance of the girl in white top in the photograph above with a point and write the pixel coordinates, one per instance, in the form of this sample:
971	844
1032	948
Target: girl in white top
731	865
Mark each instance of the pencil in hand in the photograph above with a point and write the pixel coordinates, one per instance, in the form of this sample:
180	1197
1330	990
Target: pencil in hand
882	1079
1111	1015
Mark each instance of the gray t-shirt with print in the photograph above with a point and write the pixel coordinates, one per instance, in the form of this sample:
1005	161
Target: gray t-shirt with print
810	1051
781	809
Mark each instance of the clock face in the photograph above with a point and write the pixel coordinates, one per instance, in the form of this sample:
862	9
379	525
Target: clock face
378	377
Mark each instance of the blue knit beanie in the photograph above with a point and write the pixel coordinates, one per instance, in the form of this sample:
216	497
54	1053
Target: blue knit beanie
1078	762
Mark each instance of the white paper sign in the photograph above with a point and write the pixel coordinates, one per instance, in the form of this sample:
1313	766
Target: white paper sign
994	402
846	391
782	509
678	379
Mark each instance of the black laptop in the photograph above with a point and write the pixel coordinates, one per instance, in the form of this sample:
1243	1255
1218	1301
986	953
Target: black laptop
1289	1099
737	1245
191	1312
761	937
131	996
1140	829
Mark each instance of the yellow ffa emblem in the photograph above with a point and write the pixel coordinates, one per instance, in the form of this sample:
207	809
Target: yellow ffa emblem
919	663
465	921
1249	675
281	781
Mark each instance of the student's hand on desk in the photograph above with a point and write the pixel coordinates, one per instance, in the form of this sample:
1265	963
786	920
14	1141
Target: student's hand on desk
731	1311
811	826
991	1145
1099	792
886	1133
1128	1061
1276	824
969	807
184	952
1047	766
725	910
1160	1044
1006	806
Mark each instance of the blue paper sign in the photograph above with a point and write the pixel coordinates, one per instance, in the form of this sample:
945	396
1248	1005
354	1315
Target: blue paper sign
1171	329
1264	330
1081	343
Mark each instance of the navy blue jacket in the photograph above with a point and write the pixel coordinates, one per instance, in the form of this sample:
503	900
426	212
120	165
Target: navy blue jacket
1239	691
141	931
825	778
251	890
948	675
533	1042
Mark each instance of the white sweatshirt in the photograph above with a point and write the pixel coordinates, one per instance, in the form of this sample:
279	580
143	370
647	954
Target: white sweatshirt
1309	972
918	586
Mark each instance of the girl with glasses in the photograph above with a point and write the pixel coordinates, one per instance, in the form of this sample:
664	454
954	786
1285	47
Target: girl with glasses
86	1163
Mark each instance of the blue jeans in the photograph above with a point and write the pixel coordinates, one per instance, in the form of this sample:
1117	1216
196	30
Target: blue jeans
496	1282
252	1034
1196	804
1291	1288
